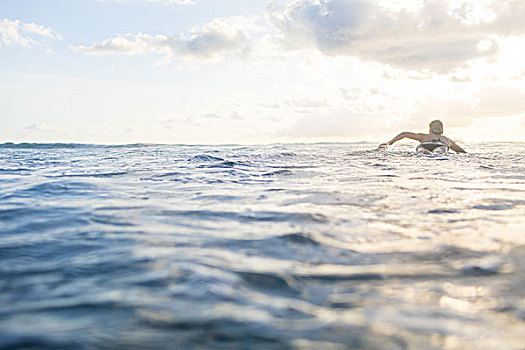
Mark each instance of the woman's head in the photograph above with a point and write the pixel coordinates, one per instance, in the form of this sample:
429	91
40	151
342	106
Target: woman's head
436	127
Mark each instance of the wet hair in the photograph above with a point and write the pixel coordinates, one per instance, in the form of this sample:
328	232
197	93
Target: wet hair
436	127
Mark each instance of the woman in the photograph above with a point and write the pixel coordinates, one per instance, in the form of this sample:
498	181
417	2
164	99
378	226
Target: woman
433	142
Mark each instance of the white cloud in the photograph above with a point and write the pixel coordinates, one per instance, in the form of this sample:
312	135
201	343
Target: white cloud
472	12
41	127
130	44
270	105
500	101
493	101
307	102
211	116
337	124
214	40
236	116
437	35
20	34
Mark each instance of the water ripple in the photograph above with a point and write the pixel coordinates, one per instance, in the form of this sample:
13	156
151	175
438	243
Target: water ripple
275	247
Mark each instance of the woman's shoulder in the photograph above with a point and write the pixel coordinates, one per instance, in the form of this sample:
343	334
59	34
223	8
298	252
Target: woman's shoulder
446	139
426	137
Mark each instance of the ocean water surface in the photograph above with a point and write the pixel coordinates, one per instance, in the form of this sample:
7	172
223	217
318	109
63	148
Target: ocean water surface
286	246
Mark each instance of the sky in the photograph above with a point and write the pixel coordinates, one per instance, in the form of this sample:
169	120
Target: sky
260	71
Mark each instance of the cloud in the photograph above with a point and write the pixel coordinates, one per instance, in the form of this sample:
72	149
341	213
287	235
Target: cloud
173	123
307	102
270	105
336	124
214	40
352	94
460	79
168	123
42	128
211	116
233	115
495	101
355	93
129	44
236	116
437	35
500	101
26	35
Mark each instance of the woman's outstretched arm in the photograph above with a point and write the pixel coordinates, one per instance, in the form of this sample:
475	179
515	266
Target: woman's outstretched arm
456	148
401	136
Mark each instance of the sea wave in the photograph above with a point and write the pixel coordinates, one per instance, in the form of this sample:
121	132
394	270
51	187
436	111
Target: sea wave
278	246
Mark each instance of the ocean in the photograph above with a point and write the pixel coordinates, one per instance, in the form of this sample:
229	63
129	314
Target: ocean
283	246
